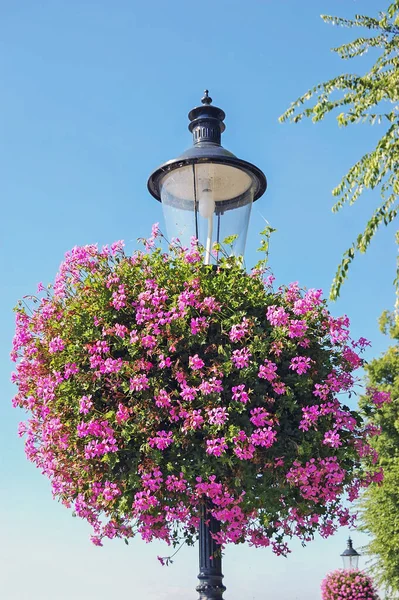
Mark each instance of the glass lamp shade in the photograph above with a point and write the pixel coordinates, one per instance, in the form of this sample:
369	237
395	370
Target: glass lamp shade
350	562
208	201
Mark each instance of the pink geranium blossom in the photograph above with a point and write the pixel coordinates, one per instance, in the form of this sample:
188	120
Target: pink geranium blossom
216	447
297	328
268	370
217	416
162	440
240	393
56	345
196	363
85	404
300	364
277	316
240	358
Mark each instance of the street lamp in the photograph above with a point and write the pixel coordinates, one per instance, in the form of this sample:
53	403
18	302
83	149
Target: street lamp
350	557
207	192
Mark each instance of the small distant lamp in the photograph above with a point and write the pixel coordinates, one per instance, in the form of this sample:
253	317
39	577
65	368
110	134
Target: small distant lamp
350	557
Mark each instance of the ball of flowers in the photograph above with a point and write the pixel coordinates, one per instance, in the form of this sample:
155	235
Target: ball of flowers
348	585
155	384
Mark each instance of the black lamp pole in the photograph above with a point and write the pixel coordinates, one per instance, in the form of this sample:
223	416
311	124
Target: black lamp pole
210	576
207	192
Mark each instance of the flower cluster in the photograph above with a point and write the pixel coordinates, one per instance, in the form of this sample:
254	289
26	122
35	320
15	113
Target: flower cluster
155	384
348	585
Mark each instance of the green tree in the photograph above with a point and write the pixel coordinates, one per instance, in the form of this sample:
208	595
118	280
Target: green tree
369	98
380	503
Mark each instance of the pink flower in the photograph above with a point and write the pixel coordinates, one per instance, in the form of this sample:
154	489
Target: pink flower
110	491
188	393
217	416
361	343
264	437
85	404
216	447
239	393
110	365
195	362
148	341
133	336
244	452
332	438
120	330
276	348
379	397
96	540
193	256
117	246
213	386
122	414
164	361
240	358
260	417
339	329
111	279
353	359
310	417
279	387
276	315
194	420
297	328
22	429
70	369
139	383
119	298
162	400
311	299
176	484
144	501
300	364
56	345
268	370
162	440
155	231
237	332
322	390
210	305
198	324
268	281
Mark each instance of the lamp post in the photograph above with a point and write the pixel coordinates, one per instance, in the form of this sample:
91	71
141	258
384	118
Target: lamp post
207	192
350	557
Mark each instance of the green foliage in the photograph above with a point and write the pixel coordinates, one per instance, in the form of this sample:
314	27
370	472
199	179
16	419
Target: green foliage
380	503
369	98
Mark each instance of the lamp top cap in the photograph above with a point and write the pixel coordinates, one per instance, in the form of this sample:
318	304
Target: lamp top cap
350	551
206	126
206	122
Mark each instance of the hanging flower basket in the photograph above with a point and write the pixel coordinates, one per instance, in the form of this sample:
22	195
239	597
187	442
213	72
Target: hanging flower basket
348	585
154	384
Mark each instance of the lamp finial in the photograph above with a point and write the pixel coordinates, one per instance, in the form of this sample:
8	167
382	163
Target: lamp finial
206	99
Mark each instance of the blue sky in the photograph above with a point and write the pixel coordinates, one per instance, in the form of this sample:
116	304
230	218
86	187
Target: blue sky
95	95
